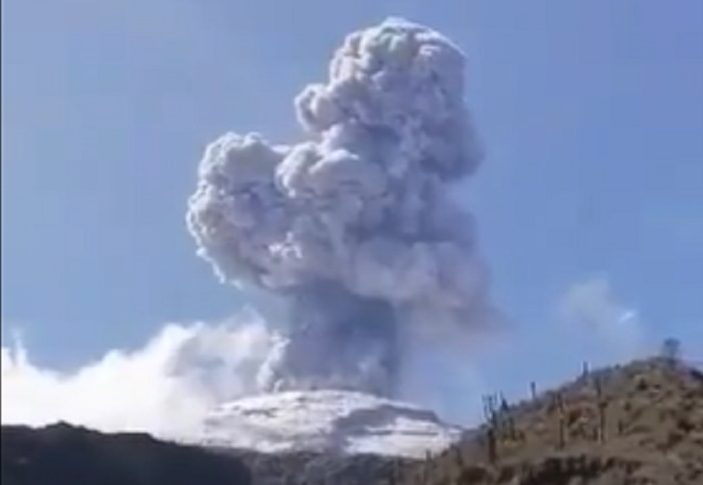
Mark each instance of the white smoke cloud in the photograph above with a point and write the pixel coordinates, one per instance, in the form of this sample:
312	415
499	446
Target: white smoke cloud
165	388
591	308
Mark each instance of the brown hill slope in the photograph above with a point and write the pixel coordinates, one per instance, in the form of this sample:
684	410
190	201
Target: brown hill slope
637	424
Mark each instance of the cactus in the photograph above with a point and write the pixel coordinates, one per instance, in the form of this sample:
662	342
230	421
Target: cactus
561	417
490	409
506	418
492	448
560	402
598	386
562	433
602	407
602	404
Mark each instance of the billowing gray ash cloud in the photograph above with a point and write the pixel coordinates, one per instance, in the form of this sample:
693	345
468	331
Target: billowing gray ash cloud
354	226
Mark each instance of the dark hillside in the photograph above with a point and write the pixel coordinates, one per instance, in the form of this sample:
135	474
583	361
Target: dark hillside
66	455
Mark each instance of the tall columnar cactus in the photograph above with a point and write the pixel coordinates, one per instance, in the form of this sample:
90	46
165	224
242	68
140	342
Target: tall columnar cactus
602	404
562	433
561	419
492	446
490	409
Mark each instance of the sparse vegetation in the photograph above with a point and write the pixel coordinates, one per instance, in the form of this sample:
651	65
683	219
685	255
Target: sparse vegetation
671	349
639	423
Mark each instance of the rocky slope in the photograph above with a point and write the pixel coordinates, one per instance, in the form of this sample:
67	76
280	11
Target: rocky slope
637	424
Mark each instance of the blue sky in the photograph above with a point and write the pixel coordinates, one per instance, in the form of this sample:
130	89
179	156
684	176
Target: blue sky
591	113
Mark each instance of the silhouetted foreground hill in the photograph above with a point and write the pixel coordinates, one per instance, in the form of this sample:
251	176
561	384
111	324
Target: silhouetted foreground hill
67	455
636	424
62	454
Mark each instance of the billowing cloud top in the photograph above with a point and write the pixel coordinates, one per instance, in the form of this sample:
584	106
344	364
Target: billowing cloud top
363	203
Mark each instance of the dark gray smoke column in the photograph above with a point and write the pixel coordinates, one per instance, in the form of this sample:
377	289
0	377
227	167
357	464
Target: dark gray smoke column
355	225
337	340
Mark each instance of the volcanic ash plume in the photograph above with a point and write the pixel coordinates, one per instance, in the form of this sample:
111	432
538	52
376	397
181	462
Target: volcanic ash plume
355	226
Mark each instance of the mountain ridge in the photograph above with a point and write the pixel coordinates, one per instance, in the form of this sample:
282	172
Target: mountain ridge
640	423
344	422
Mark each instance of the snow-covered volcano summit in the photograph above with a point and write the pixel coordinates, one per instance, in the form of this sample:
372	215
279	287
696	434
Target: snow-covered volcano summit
327	420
